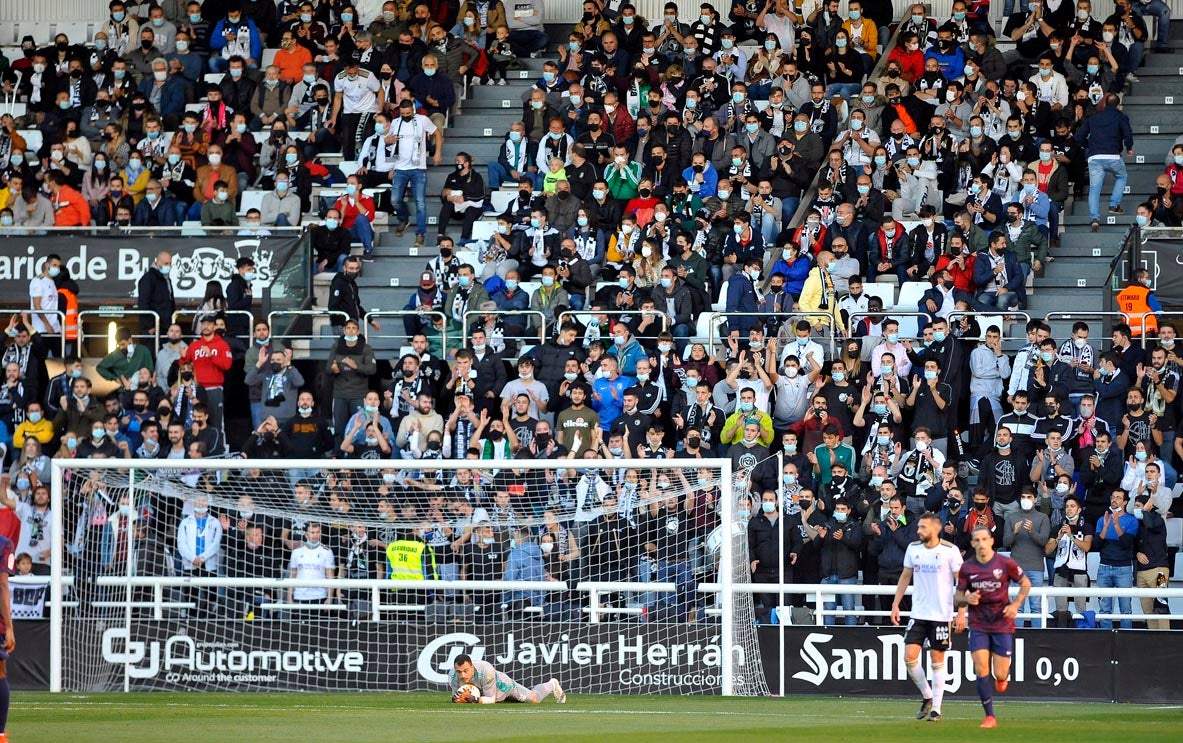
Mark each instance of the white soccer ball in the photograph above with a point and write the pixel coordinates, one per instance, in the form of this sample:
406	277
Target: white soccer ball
467	694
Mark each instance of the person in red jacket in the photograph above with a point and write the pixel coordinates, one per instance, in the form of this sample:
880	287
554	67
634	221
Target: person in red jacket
959	261
357	215
69	208
211	359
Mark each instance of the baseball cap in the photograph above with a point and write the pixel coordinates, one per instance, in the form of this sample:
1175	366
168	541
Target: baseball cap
427	279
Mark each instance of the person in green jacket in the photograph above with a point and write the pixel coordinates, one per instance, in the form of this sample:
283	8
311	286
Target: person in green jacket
126	360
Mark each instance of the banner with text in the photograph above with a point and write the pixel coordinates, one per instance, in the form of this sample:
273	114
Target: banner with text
226	655
107	268
830	661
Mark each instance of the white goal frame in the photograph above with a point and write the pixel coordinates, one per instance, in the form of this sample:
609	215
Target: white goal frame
724	586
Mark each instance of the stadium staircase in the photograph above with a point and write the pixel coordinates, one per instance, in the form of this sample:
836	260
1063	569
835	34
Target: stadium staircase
479	130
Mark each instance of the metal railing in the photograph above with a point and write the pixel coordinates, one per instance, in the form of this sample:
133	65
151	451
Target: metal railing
382	597
369	332
30	311
784	318
117	313
290	334
1104	316
821	594
954	319
250	316
541	328
575	314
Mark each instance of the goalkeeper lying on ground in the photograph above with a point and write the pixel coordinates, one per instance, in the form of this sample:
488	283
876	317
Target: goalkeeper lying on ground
479	682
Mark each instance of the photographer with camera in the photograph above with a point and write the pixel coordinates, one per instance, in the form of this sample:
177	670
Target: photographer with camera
279	381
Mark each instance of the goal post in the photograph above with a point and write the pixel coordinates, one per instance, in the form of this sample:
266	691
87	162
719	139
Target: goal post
308	580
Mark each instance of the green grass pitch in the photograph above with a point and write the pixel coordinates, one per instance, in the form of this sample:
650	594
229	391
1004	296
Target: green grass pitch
216	717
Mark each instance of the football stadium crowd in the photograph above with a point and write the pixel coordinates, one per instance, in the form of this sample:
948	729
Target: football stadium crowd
767	160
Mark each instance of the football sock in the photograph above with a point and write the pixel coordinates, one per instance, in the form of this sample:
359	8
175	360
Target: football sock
916	673
938	686
543	690
3	704
986	694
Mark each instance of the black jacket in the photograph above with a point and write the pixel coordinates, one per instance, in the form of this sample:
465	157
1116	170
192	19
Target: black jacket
343	297
155	293
765	545
239	298
329	244
1152	541
840	557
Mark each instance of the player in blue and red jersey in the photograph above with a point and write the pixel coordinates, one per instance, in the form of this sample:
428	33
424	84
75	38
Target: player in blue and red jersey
7	568
983	587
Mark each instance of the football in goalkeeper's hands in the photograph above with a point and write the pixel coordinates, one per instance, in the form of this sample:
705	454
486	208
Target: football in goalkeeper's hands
467	694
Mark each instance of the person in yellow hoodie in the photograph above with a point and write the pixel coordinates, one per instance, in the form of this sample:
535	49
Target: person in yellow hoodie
34	426
819	300
556	173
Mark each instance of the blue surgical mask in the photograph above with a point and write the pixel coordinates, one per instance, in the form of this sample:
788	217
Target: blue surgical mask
938	336
511	284
840	516
737	96
464	281
975	131
930	374
800	126
768	507
840	43
430	72
548	77
1142	220
883	440
752	128
1140	456
880	409
913	162
351	189
331	223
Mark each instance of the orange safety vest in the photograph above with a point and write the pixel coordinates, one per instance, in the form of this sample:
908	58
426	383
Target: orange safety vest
1132	301
70	327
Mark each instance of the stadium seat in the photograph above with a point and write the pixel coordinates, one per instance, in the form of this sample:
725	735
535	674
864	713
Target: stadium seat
910	294
483	229
252	199
909	325
33	139
883	290
721	305
77	33
268	58
1175	534
41	31
501	200
15	109
349	167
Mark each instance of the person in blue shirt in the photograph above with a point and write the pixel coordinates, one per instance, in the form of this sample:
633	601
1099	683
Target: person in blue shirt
947	53
1035	204
701	177
626	349
1117	532
608	392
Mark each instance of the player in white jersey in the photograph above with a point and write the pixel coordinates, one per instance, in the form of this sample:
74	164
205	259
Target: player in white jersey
932	565
359	96
494	686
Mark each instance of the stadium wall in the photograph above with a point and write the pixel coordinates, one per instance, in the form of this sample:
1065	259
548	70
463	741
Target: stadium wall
1083	665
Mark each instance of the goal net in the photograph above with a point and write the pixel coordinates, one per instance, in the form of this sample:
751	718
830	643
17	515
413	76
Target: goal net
611	576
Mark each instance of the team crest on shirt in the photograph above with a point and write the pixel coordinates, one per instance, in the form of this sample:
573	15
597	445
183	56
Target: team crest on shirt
997	574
